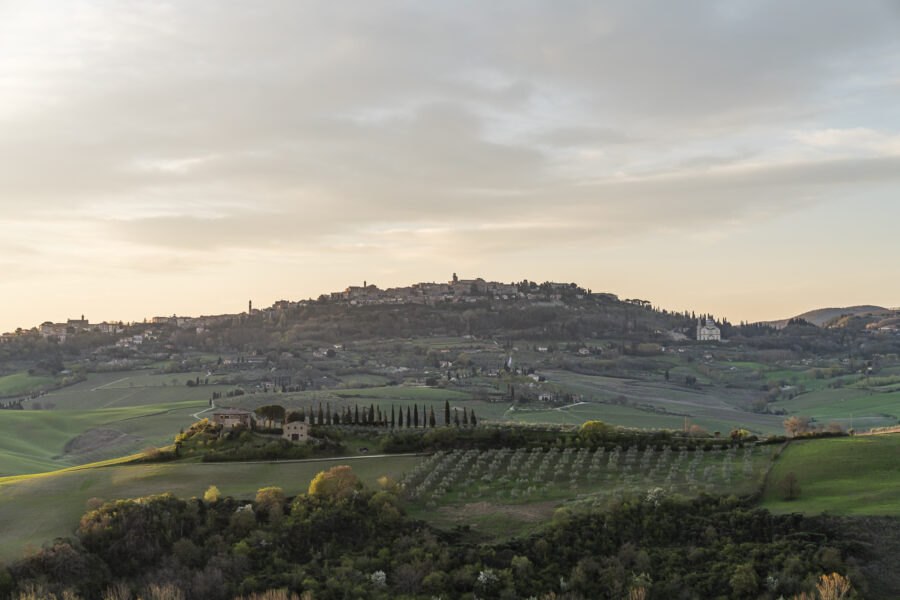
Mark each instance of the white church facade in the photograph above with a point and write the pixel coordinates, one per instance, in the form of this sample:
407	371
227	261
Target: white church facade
708	332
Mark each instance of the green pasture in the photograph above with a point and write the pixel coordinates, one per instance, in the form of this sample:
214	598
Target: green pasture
402	392
38	508
141	409
868	408
33	441
846	476
366	379
128	388
22	383
715	408
596	411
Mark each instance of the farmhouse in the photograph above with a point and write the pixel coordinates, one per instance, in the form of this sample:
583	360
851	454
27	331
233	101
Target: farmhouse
296	431
229	417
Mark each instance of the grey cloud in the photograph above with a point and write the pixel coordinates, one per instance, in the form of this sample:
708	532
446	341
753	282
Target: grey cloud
325	119
585	136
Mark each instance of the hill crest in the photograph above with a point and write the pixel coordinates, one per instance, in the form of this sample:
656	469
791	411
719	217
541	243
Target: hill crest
820	316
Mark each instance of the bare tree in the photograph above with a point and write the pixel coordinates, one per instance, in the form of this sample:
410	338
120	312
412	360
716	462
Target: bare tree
789	487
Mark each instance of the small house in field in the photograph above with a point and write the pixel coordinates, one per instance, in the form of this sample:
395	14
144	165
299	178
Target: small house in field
296	431
229	417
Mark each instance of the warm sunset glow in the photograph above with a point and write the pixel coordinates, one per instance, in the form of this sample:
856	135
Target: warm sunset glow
160	158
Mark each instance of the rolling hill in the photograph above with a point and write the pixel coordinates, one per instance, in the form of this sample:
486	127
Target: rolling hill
821	316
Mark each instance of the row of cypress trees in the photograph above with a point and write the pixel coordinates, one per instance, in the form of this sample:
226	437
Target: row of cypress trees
374	416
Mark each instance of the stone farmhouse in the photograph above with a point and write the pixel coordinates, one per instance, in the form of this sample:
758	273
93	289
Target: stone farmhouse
296	431
230	417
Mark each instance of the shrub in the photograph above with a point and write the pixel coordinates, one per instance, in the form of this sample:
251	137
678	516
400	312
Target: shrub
212	494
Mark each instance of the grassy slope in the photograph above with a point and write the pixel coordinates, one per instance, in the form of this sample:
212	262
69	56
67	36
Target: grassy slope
710	407
21	383
868	408
140	404
40	507
849	476
29	440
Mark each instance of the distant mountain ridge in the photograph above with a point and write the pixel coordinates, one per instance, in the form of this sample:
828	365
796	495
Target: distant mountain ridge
821	316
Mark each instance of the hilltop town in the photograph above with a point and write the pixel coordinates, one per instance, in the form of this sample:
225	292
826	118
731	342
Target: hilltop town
454	291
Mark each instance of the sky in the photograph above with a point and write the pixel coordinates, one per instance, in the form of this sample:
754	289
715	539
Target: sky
740	158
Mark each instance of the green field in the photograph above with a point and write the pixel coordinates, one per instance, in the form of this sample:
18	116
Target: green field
38	508
22	383
35	441
714	408
868	409
129	388
109	415
846	476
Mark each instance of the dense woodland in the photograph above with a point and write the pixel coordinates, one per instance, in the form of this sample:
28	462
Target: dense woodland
344	541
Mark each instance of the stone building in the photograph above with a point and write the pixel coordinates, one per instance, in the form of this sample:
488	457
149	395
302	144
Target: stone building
296	431
229	417
708	332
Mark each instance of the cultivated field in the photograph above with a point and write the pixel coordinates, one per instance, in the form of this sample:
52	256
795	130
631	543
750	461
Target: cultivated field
504	492
38	508
714	408
845	476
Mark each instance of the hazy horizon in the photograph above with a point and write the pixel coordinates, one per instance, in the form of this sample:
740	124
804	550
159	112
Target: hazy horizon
741	159
237	305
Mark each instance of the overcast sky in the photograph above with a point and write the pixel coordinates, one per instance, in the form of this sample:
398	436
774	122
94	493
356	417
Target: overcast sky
740	158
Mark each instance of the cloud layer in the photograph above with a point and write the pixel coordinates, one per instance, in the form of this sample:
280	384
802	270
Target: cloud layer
287	146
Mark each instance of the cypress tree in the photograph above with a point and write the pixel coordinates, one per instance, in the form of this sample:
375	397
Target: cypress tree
378	413
456	417
328	420
356	418
393	420
400	420
408	418
447	413
415	415
431	421
321	415
371	414
465	418
472	420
